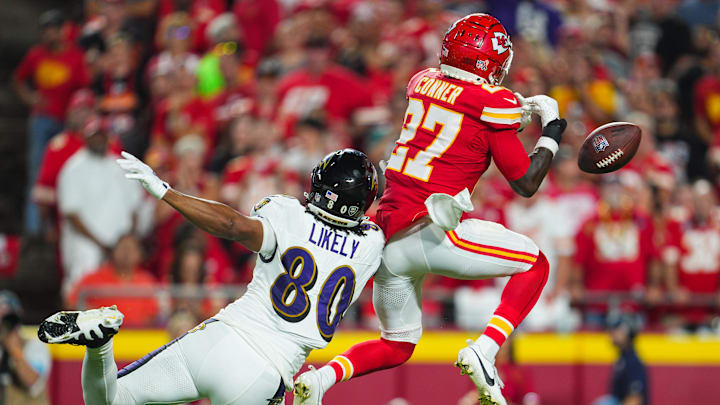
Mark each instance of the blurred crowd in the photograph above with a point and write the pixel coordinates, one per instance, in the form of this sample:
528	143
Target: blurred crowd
234	100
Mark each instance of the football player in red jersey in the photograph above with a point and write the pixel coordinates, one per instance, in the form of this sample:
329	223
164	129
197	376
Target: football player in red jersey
458	119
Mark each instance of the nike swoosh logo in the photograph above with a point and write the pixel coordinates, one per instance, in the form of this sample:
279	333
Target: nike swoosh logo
489	380
512	100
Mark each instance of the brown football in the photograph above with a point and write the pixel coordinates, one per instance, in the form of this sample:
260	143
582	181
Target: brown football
609	147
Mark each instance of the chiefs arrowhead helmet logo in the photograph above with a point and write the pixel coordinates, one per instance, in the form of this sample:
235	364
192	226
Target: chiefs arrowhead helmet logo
500	42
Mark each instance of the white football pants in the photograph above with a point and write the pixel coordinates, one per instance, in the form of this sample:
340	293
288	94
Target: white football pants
210	361
474	250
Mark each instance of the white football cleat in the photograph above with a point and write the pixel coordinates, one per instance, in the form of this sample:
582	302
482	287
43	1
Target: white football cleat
483	374
92	328
308	389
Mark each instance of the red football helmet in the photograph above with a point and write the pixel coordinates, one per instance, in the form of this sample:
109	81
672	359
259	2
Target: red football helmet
477	49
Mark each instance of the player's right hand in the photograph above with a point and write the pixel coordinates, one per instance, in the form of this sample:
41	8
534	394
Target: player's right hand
544	106
137	170
526	117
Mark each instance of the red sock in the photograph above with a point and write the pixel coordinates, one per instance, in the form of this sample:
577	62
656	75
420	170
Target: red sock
373	355
518	298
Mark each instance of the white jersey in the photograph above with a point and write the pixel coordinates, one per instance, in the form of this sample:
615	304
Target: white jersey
306	276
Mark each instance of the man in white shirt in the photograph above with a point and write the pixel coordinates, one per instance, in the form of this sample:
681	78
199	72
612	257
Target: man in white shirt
97	205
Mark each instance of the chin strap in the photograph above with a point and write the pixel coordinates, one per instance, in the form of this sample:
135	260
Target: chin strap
455	73
333	219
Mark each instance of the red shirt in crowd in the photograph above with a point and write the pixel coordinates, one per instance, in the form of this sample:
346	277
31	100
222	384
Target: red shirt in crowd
615	253
139	311
232	103
258	20
695	249
193	114
707	102
336	91
55	75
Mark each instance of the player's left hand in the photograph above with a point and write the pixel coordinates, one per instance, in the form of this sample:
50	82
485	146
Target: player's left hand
137	170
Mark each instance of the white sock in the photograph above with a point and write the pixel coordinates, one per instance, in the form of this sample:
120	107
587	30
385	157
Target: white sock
327	377
99	375
488	347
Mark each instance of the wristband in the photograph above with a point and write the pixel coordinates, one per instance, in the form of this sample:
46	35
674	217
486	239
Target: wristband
554	129
547	143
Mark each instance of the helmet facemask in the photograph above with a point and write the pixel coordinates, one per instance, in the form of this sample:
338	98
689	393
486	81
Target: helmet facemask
504	70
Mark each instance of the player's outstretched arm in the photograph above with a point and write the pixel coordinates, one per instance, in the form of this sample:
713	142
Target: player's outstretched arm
218	219
541	158
210	216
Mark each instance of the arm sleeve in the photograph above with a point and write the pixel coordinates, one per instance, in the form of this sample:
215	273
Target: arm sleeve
45	172
508	152
264	212
269	243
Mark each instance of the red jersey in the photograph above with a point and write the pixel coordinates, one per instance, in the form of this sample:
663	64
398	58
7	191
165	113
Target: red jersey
615	253
452	130
55	75
695	249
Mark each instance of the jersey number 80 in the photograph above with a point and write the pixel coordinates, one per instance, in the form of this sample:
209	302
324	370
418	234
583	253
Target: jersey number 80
289	292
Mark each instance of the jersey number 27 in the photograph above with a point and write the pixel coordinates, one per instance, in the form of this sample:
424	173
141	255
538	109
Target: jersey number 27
289	292
419	167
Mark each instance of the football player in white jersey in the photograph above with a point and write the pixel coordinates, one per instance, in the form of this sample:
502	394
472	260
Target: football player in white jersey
313	261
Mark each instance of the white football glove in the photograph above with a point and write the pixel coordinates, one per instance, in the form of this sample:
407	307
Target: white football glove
544	106
526	118
137	170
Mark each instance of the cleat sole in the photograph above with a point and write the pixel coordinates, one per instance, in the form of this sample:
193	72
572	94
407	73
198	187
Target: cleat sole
301	390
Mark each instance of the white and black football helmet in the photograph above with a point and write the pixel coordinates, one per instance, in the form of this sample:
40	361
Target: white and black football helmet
344	185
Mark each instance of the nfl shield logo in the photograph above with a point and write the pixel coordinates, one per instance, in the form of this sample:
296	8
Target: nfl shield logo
600	143
353	210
